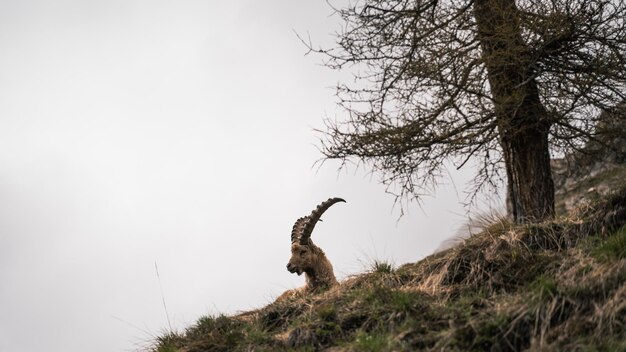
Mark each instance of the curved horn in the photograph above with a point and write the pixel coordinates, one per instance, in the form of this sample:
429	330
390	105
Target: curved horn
297	229
305	225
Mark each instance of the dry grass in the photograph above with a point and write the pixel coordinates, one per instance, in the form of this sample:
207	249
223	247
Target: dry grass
558	285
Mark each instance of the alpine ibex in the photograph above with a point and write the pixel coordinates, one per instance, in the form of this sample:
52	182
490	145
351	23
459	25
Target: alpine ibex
308	258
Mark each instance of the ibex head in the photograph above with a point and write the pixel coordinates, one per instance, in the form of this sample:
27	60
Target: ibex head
307	257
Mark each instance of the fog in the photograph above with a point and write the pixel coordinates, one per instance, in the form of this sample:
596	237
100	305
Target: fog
181	134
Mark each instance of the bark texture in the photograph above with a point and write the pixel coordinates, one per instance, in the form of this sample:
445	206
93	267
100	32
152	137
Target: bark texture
523	122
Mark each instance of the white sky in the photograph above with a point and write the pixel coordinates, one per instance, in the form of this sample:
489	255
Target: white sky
175	132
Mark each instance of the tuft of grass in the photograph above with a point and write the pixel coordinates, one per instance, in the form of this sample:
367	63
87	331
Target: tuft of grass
280	314
327	313
382	300
216	333
493	223
614	248
382	267
543	288
168	342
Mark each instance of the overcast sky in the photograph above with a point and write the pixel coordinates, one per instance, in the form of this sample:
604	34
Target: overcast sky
178	133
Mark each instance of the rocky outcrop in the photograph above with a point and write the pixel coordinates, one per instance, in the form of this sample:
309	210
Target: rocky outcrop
596	169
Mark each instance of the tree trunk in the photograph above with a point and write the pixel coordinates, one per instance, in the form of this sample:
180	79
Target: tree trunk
523	122
530	185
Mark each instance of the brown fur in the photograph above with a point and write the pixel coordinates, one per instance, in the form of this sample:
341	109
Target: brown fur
318	271
308	258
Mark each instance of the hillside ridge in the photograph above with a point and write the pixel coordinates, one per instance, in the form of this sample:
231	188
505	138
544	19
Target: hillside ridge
556	285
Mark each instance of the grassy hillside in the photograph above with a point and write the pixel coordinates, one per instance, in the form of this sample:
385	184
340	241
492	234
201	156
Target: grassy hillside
558	285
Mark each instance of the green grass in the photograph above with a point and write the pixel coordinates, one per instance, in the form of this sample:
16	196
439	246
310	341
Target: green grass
614	248
372	342
168	342
551	286
543	288
382	267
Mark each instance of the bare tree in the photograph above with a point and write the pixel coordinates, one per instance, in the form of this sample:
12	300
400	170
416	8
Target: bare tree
500	82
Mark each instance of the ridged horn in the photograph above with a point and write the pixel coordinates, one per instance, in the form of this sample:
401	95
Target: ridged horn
304	226
297	229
